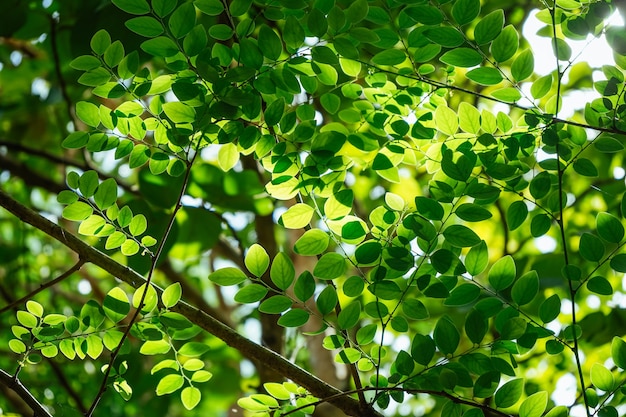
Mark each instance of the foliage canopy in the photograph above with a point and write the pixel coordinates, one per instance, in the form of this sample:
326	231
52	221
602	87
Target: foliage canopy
379	205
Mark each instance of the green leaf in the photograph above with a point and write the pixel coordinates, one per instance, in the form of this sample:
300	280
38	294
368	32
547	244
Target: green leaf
257	260
100	41
368	252
88	183
106	194
607	144
116	305
446	120
422	349
602	378
600	285
357	11
471	212
274	112
94	346
17	346
93	225
304	288
609	227
509	393
327	300
469	118
534	405
293	34
193	349
585	167
85	63
523	66
464	11
505	45
145	26
389	57
489	27
282	271
171	295
446	335
182	20
591	247
76	140
330	102
312	243
196	41
295	317
618	352
210	7
429	208
424	13
445	36
550	308
239	7
88	113
160	46
502	273
330	266
297	216
163	7
339	204
525	288
461	236
275	304
516	214
541	86
228	276
462	295
169	384
228	156
349	316
27	319
179	112
221	32
461	57
509	94
476	326
251	293
190	397
477	259
77	211
138	225
485	76
270	43
133	6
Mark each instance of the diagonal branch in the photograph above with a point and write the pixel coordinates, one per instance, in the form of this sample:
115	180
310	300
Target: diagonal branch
245	346
14	383
48	284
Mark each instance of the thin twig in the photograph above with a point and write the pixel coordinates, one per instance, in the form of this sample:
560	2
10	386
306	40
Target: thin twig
16	385
48	284
137	312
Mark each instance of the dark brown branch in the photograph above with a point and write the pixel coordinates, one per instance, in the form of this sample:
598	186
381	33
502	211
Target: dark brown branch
241	343
14	384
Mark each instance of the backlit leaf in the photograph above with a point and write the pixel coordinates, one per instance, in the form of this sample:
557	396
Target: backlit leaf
502	273
509	393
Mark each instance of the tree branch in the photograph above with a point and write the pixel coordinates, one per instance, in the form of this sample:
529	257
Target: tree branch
245	346
48	284
14	383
